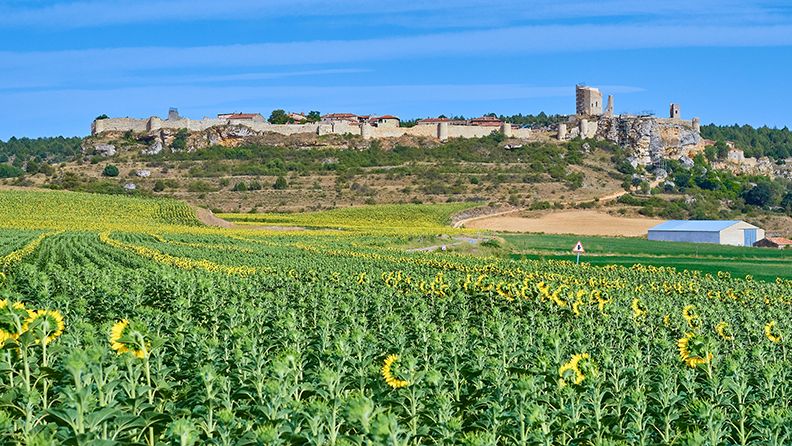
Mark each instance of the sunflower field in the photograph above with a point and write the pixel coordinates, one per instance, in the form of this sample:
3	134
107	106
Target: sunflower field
152	330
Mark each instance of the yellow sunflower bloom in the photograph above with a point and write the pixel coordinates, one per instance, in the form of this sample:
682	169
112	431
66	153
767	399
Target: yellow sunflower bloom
571	370
689	358
47	324
768	331
388	376
637	308
120	343
722	330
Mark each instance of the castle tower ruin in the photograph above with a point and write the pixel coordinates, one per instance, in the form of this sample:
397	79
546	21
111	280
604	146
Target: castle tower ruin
173	114
697	125
562	131
674	111
506	128
442	131
588	101
609	109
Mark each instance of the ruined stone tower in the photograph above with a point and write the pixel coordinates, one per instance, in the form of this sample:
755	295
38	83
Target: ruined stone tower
609	109
588	101
173	114
673	113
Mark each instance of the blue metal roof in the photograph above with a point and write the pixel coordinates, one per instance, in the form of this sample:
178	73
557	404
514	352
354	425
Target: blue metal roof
695	225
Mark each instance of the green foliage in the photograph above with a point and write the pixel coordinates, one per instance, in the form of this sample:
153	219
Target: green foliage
280	183
55	150
8	171
102	116
762	141
389	216
179	143
760	195
313	116
110	170
279	116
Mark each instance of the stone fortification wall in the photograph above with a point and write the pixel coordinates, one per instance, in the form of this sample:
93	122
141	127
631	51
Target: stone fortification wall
119	125
155	125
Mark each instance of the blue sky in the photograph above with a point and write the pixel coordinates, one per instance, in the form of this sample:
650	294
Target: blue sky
62	63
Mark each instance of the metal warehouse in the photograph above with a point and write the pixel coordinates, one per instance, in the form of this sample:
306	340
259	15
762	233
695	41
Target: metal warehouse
722	232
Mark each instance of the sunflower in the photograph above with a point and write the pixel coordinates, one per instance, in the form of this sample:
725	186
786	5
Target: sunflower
688	313
571	370
122	341
637	308
12	320
768	331
721	329
667	320
389	378
45	324
688	342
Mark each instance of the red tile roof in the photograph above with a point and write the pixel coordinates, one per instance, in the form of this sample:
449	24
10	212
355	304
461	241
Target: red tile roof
780	240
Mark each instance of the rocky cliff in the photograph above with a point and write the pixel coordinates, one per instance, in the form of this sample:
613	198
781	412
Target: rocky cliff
648	139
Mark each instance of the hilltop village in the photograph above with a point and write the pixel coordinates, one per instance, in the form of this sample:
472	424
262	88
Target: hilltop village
648	138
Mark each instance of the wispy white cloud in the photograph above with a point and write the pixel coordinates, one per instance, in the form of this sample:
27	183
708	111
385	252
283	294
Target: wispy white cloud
475	13
525	41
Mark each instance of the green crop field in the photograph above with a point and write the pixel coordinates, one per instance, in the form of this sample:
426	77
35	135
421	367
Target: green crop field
124	322
761	263
391	215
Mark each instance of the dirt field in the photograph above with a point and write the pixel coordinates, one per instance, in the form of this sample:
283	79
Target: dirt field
582	222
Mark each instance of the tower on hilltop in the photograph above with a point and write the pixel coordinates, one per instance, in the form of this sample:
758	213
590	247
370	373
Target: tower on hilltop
588	101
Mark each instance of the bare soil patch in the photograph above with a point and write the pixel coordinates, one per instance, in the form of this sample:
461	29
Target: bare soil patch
583	222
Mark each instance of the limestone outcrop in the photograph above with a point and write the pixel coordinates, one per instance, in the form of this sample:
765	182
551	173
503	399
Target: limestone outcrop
648	139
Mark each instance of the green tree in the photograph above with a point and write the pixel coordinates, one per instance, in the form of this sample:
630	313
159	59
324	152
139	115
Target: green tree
313	116
786	202
179	143
278	116
8	171
760	195
110	171
280	183
159	186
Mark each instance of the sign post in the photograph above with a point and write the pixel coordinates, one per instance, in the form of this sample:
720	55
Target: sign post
578	249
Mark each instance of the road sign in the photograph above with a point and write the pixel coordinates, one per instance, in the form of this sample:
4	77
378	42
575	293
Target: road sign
578	249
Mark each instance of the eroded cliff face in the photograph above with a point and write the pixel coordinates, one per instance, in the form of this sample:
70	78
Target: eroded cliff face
648	139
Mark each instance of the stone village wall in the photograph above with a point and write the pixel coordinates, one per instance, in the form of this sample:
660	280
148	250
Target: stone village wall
441	130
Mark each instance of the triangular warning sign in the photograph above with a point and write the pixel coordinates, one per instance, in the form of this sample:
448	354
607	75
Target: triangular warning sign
578	247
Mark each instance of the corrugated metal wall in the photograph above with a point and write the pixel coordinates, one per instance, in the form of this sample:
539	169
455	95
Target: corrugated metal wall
686	236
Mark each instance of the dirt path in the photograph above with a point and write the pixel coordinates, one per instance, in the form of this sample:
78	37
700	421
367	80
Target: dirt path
209	219
582	222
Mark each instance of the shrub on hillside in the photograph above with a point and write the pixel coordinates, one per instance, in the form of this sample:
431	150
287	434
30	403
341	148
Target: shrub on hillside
280	183
110	171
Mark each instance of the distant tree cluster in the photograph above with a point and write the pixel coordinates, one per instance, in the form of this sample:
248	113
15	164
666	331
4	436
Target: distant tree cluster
762	141
535	121
35	155
280	116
